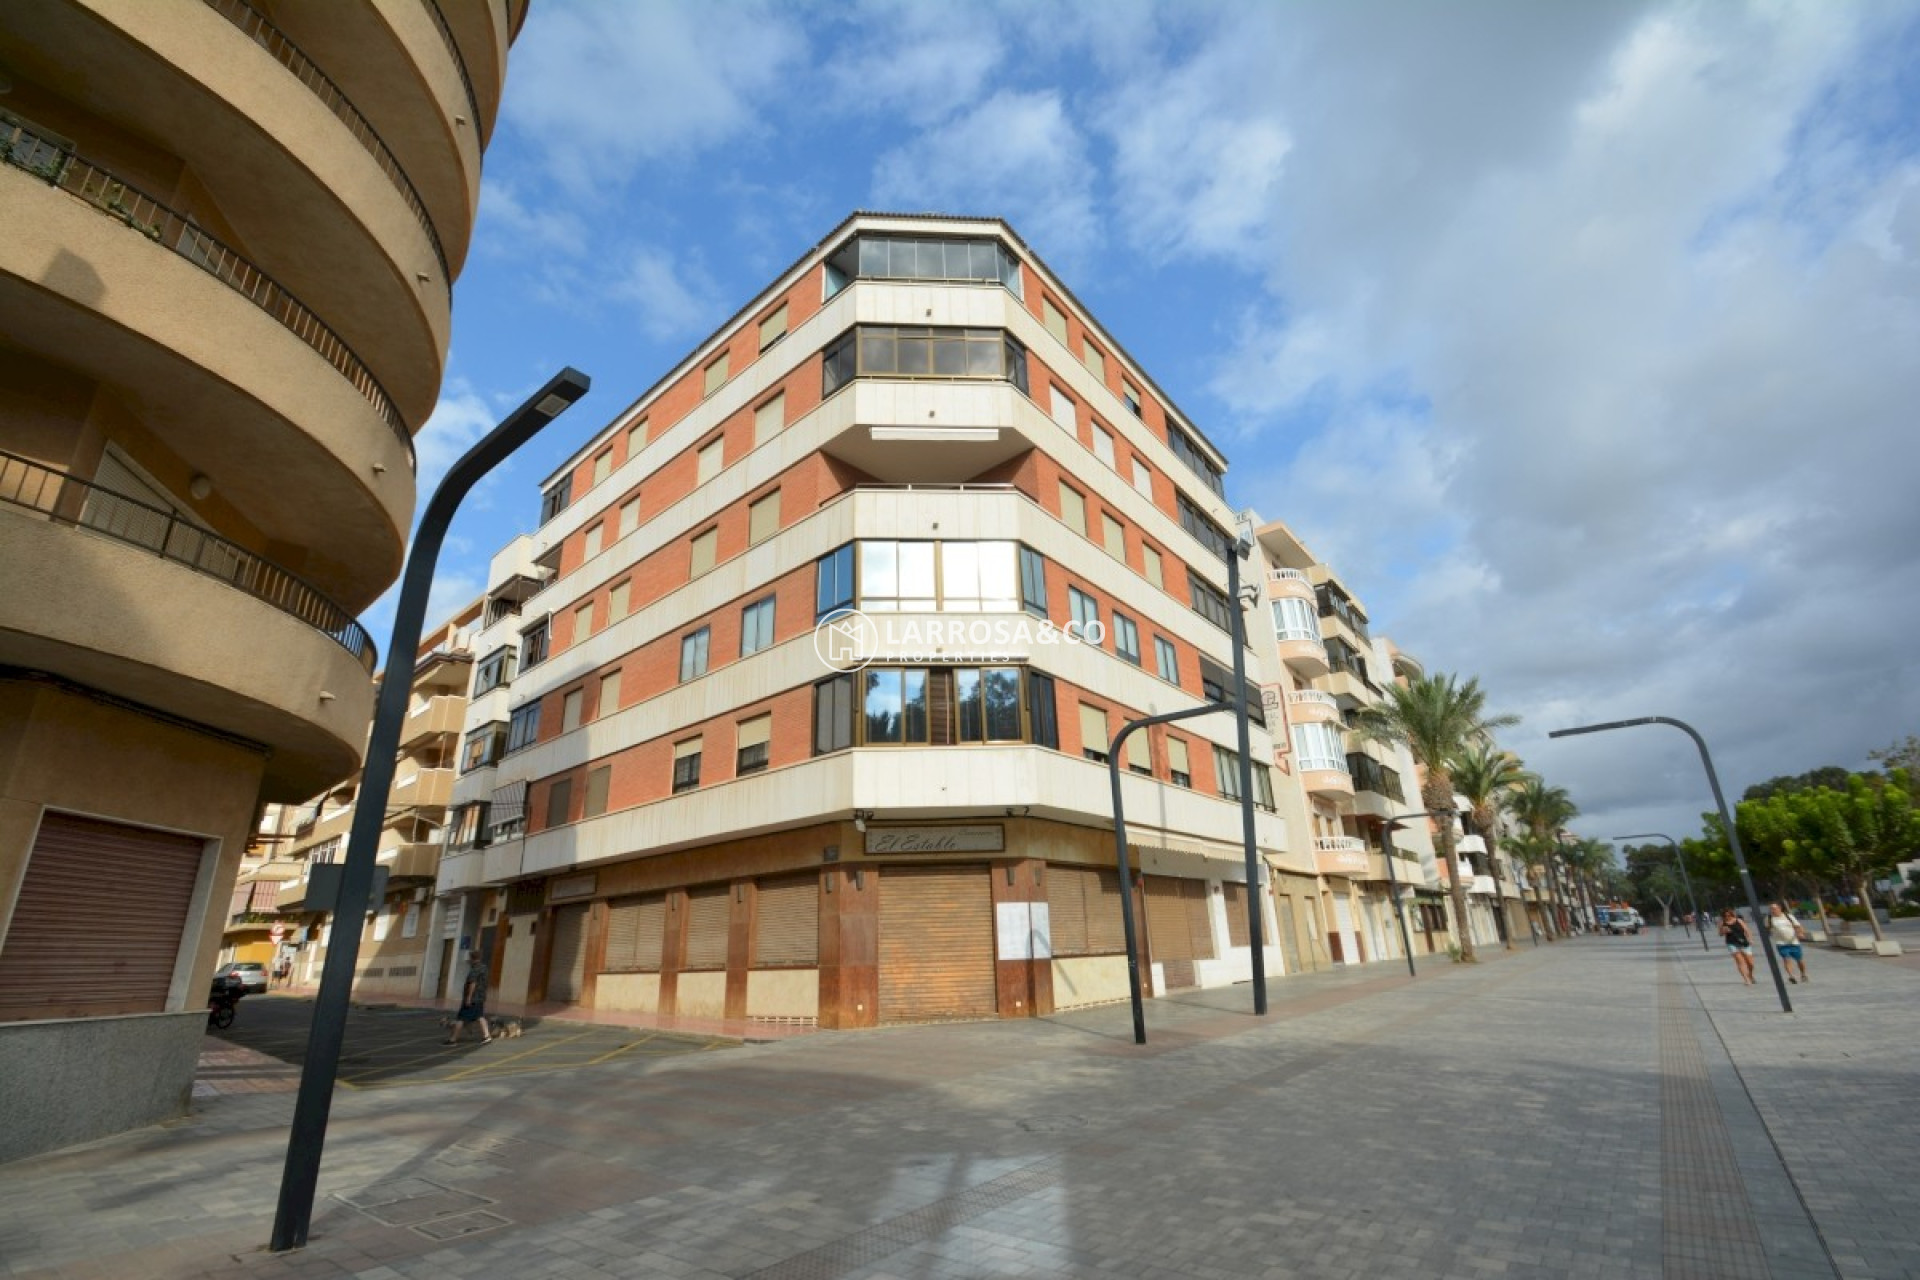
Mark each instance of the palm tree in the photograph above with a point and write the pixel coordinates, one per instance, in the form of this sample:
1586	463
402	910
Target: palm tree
1543	810
1436	716
1484	774
1534	852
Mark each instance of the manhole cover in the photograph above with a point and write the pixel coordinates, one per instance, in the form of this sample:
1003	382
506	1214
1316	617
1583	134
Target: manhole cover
406	1201
464	1225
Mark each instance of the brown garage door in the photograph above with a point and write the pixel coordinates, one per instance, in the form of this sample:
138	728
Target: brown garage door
567	968
936	944
1178	929
62	958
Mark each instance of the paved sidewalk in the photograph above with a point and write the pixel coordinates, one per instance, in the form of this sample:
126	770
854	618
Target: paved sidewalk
1605	1107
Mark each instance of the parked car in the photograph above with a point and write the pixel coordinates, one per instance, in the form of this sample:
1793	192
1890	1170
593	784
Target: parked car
252	975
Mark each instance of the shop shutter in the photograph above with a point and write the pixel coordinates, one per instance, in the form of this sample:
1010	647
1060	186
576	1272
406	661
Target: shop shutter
1199	918
567	967
635	930
1178	926
1237	935
57	961
707	915
1289	939
936	944
1067	908
786	922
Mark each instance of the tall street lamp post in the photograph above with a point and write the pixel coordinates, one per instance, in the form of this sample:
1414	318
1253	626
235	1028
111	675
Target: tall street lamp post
308	1135
1680	858
1393	884
1726	821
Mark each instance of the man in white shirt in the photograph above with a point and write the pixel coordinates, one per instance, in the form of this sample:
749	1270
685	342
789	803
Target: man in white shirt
1786	935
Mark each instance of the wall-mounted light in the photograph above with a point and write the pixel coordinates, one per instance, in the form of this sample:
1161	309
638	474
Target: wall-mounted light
1018	810
861	817
200	487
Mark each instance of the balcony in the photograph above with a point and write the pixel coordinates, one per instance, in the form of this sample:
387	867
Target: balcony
1311	706
1288	584
1341	856
425	789
1324	777
1304	655
292	894
435	719
416	861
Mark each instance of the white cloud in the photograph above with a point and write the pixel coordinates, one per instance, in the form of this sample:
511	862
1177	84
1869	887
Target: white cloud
670	296
460	418
920	61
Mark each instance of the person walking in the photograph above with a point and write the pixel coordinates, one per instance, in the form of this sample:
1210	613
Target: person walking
1739	943
1787	935
473	1001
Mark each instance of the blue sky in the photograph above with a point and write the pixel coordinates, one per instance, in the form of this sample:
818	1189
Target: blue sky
1581	339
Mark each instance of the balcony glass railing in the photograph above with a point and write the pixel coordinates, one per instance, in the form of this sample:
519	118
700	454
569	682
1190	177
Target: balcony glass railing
287	54
82	504
171	230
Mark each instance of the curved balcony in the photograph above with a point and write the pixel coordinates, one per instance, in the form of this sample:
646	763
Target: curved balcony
480	34
1326	778
1310	706
1288	584
189	98
1304	654
1341	856
226	369
132	601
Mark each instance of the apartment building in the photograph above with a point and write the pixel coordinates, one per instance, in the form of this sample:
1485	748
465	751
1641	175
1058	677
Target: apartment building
681	793
279	908
232	232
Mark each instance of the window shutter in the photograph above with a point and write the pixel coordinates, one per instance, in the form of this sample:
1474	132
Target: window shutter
702	552
1093	728
763	518
769	418
1139	751
1073	509
1177	756
707	916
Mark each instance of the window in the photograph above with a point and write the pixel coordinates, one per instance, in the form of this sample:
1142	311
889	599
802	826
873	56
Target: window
570	708
523	726
1086	614
769	418
833	715
602	465
774	327
617	598
1073	509
897	577
1295	620
1166	660
897	351
894	705
833	582
592	542
1188	452
1096	362
630	514
555	500
559	801
1131	394
1140	752
708	460
506	812
467	826
1178	767
1042	716
1226	772
484	746
716	375
1318	746
598	782
1209	602
1054	319
751	740
1126	638
1033	582
1093	733
756	626
1103	446
693	654
892	257
1113	537
1143	479
1204	530
700	552
493	671
609	694
978	577
636	438
1263	787
1217	683
1063	409
686	765
583	622
1150	567
763	518
988	701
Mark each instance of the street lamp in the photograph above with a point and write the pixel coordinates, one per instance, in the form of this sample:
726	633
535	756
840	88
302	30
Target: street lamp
308	1135
1393	884
1726	820
1681	858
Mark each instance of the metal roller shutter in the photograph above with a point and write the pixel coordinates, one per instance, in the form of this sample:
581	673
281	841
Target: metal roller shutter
1237	935
636	928
1289	939
567	968
936	944
707	913
1085	911
786	923
57	961
1178	927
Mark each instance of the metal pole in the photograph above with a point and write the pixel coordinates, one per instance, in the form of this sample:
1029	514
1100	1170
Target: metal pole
308	1135
1699	921
1726	819
1120	854
1399	910
1255	925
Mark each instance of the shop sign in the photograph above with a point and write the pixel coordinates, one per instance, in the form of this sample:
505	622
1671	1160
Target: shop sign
980	839
570	887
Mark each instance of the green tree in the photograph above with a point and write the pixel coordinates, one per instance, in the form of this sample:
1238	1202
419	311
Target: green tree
1661	884
1542	811
1846	836
1904	756
1483	774
1436	717
1831	776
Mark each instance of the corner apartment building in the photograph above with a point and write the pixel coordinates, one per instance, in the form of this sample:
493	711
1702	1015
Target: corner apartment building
679	796
275	912
232	231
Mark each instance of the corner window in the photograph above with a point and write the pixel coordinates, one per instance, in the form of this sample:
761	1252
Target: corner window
483	746
896	257
493	671
833	582
1033	582
901	351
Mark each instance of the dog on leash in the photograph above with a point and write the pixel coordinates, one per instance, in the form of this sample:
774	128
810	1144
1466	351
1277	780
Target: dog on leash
503	1027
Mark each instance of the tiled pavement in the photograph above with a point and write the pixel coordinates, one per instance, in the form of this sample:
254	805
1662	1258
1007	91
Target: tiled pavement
1599	1108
